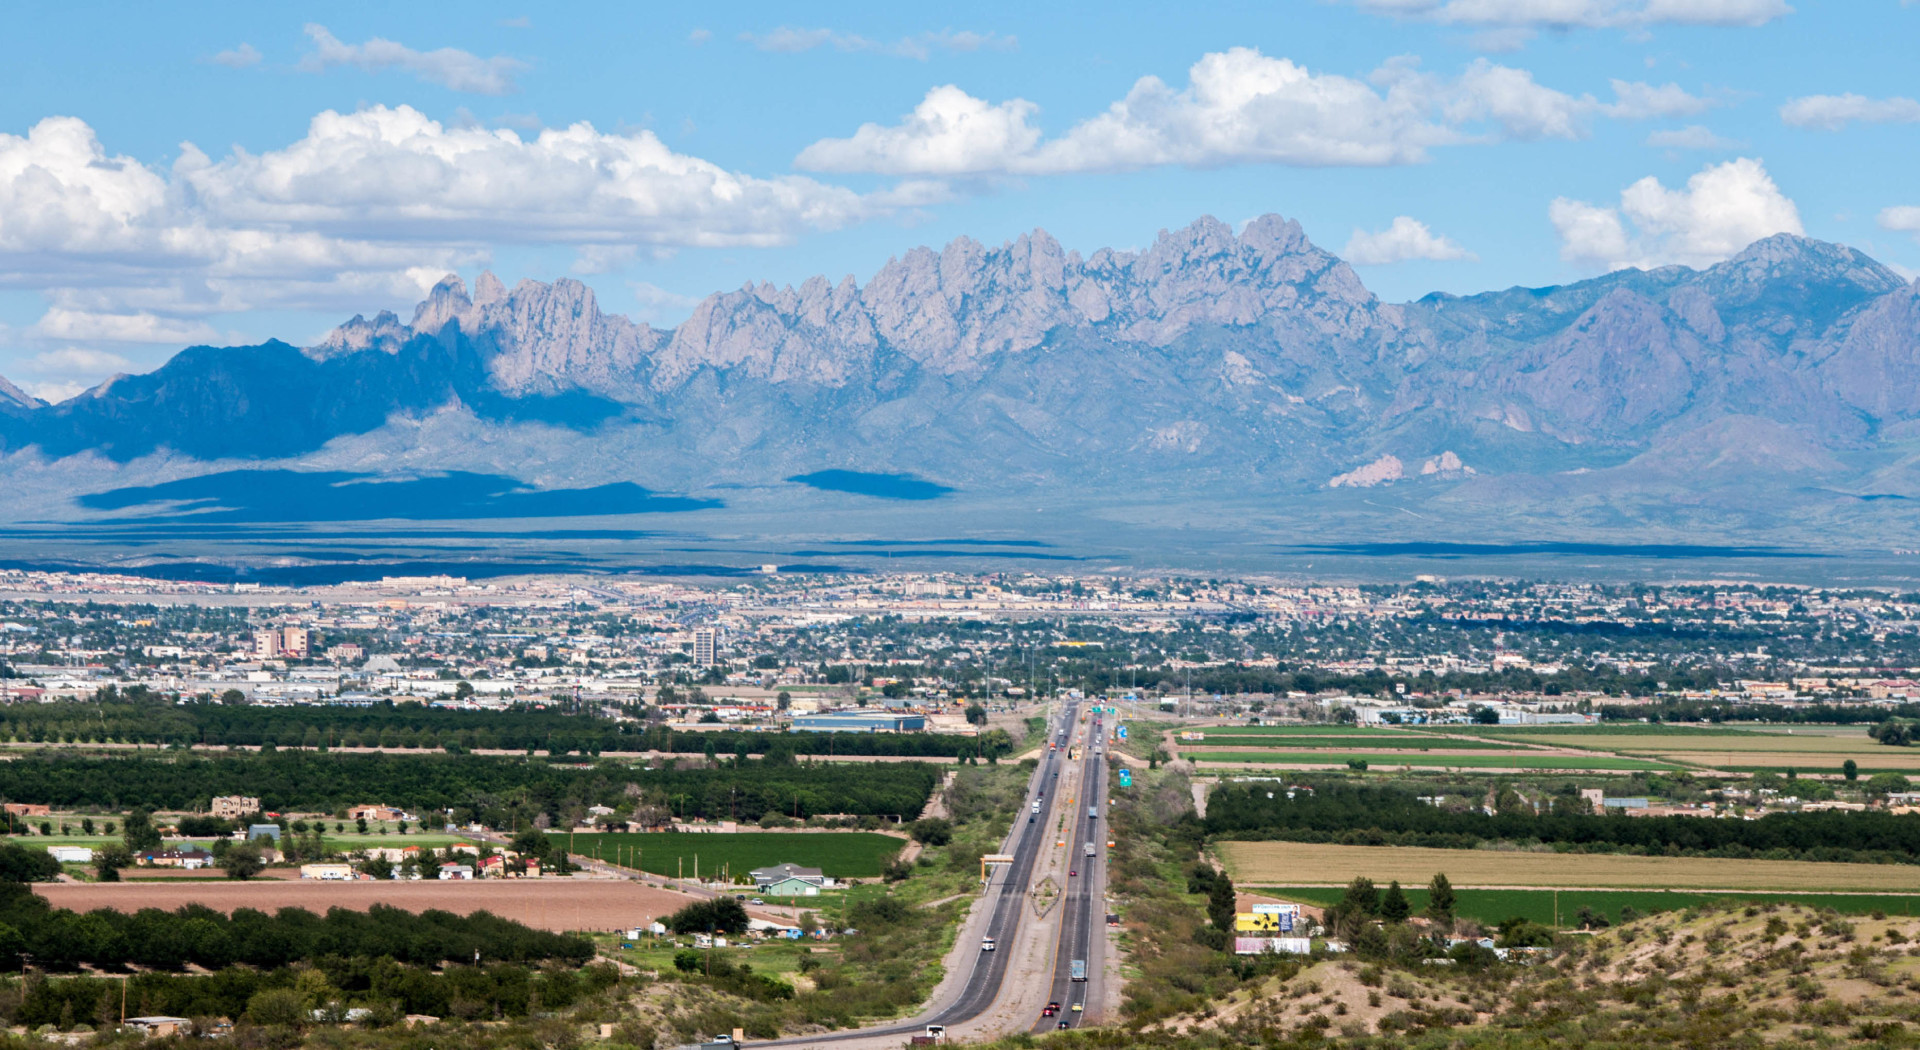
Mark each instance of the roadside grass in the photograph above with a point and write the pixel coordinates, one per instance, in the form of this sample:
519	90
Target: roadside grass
1156	838
1389	760
840	854
1492	907
1293	863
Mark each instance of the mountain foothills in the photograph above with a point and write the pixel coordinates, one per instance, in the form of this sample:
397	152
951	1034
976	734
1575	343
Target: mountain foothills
1254	365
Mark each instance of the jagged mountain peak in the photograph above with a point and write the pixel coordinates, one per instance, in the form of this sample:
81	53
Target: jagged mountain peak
11	395
1789	256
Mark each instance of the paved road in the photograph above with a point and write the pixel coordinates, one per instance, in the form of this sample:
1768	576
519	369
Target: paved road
1083	917
1005	898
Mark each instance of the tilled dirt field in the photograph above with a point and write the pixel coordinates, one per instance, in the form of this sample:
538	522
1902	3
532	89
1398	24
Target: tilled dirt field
549	904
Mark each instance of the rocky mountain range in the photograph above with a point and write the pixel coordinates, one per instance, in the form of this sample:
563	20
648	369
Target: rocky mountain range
1770	392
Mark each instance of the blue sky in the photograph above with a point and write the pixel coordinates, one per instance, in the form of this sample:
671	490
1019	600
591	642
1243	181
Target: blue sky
232	173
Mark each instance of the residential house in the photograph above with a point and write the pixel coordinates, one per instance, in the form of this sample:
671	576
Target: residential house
71	854
233	807
451	872
386	813
763	878
327	872
790	888
159	1027
28	809
191	858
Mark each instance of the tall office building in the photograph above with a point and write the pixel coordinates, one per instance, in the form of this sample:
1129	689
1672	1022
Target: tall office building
703	646
266	643
293	643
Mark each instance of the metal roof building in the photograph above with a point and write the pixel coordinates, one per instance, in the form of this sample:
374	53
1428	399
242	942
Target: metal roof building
845	722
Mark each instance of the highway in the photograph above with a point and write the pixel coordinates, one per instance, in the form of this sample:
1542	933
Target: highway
1005	896
1083	916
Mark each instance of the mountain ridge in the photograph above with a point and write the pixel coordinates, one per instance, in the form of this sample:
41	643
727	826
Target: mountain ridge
1209	361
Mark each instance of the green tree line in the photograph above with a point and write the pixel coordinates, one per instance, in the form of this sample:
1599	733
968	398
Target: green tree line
494	790
1391	816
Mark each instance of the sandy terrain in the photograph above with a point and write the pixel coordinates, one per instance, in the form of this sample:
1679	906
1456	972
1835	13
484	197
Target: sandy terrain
552	904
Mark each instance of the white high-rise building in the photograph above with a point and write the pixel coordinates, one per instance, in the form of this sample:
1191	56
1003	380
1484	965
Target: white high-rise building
704	639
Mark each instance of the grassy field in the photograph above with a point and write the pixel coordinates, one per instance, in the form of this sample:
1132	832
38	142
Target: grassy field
1407	741
841	854
1296	863
1302	730
1396	759
1808	744
1541	906
1901	760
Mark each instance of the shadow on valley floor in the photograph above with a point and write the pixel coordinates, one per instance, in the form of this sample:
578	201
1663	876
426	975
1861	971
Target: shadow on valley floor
1665	551
338	496
879	486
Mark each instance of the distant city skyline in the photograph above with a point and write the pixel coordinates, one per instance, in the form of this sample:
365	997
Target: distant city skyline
242	173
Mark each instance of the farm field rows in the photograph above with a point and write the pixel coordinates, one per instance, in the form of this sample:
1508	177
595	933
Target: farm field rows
1300	730
1407	741
1494	906
1393	759
840	854
1297	863
1889	759
1825	745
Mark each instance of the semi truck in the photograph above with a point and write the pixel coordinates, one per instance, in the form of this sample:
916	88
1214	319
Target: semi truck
1080	969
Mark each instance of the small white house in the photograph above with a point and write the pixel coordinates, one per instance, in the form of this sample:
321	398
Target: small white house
456	872
71	854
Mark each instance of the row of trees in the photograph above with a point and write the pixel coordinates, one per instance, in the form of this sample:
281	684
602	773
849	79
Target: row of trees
59	938
296	997
494	790
1388	815
140	716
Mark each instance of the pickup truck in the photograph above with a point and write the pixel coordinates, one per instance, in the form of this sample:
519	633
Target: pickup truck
1089	849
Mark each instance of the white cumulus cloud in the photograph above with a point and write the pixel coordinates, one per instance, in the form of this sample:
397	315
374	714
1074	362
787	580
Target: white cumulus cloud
1693	136
1903	218
239	58
367	209
1722	209
1833	112
1406	238
448	67
78	359
793	40
1239	107
1584	14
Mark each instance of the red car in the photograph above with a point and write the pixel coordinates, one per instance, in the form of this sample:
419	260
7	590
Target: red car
1071	873
1052	1009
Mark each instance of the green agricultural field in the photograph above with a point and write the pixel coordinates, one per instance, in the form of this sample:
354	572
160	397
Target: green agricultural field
1300	730
1406	741
1394	760
1494	906
841	854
